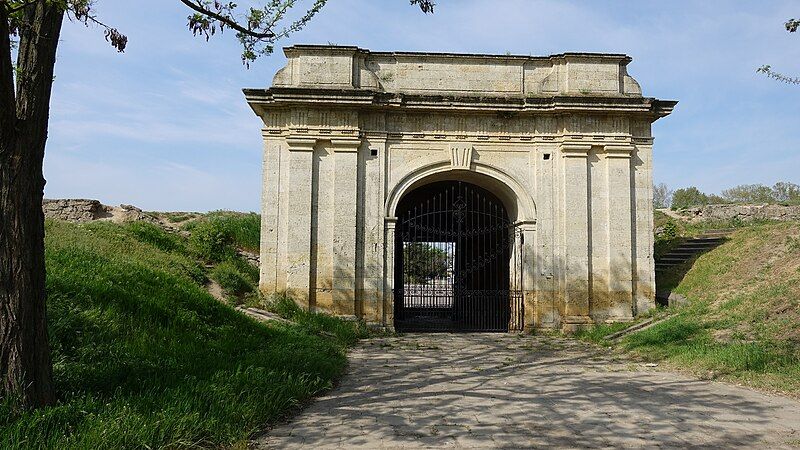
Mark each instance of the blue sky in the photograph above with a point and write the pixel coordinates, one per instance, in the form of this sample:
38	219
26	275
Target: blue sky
164	126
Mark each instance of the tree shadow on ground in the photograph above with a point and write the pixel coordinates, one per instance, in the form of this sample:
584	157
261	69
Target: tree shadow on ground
484	390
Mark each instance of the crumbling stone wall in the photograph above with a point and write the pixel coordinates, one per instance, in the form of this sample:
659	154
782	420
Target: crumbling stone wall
86	210
741	212
74	210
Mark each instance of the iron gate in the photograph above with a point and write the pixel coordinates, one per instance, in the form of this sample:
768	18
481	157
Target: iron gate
458	261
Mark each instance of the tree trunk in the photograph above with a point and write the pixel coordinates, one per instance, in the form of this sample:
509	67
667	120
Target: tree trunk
25	364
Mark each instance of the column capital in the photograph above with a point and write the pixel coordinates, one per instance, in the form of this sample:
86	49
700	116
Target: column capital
575	149
618	151
301	144
345	144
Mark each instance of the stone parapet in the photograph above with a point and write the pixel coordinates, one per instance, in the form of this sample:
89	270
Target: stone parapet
573	74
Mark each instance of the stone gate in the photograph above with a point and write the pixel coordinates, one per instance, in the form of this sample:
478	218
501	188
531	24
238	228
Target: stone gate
562	141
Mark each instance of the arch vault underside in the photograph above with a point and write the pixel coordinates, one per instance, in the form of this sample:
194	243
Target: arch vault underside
348	135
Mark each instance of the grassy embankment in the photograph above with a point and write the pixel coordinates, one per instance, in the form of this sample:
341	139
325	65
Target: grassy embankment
742	321
144	357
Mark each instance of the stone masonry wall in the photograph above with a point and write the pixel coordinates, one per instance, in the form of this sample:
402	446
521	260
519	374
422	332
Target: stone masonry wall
564	141
741	212
74	210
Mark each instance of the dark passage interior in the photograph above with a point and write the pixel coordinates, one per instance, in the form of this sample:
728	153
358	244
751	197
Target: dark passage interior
456	268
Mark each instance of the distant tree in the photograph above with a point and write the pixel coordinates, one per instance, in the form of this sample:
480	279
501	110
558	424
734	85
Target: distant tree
749	193
785	192
29	31
791	26
662	196
423	262
714	199
688	197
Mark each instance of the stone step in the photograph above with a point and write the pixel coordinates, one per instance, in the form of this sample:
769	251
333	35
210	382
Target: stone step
673	260
724	231
702	240
690	248
680	253
694	247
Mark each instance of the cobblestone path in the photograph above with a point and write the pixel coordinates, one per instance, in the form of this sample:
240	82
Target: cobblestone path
511	391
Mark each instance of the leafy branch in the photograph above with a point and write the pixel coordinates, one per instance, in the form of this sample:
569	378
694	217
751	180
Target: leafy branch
257	29
791	26
77	10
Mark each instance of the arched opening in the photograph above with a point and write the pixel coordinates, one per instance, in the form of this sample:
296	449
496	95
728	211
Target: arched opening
457	259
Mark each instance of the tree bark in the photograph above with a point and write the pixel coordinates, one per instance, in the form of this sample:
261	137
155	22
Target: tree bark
25	364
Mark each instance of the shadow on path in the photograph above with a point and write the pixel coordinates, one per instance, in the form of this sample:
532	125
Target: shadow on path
500	390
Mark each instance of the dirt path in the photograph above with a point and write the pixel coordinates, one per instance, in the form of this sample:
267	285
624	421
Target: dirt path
481	390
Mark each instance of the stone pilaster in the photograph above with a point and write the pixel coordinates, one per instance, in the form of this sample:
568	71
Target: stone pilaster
576	232
643	201
345	152
620	246
545	263
300	185
525	248
270	203
373	193
388	292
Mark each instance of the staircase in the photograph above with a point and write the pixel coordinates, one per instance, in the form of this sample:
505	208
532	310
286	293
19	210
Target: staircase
692	247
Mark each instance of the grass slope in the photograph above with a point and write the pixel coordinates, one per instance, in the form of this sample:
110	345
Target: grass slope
145	358
742	322
244	229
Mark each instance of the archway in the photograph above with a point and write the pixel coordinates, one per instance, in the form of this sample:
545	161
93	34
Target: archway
458	265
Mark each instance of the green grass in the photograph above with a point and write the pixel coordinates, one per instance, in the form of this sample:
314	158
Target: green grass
742	322
243	229
598	333
145	358
687	340
236	277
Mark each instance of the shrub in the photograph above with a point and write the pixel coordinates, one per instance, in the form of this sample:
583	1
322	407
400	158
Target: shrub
211	242
243	228
669	231
666	238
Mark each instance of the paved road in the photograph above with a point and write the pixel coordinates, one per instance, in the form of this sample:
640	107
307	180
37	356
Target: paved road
509	391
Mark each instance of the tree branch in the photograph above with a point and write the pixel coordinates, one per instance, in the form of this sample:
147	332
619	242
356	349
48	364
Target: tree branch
82	12
257	28
227	21
767	70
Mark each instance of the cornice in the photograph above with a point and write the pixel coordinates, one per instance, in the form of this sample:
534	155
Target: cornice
262	99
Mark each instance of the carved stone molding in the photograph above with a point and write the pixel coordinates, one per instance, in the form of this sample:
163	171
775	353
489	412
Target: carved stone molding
575	150
345	144
301	144
461	156
618	151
